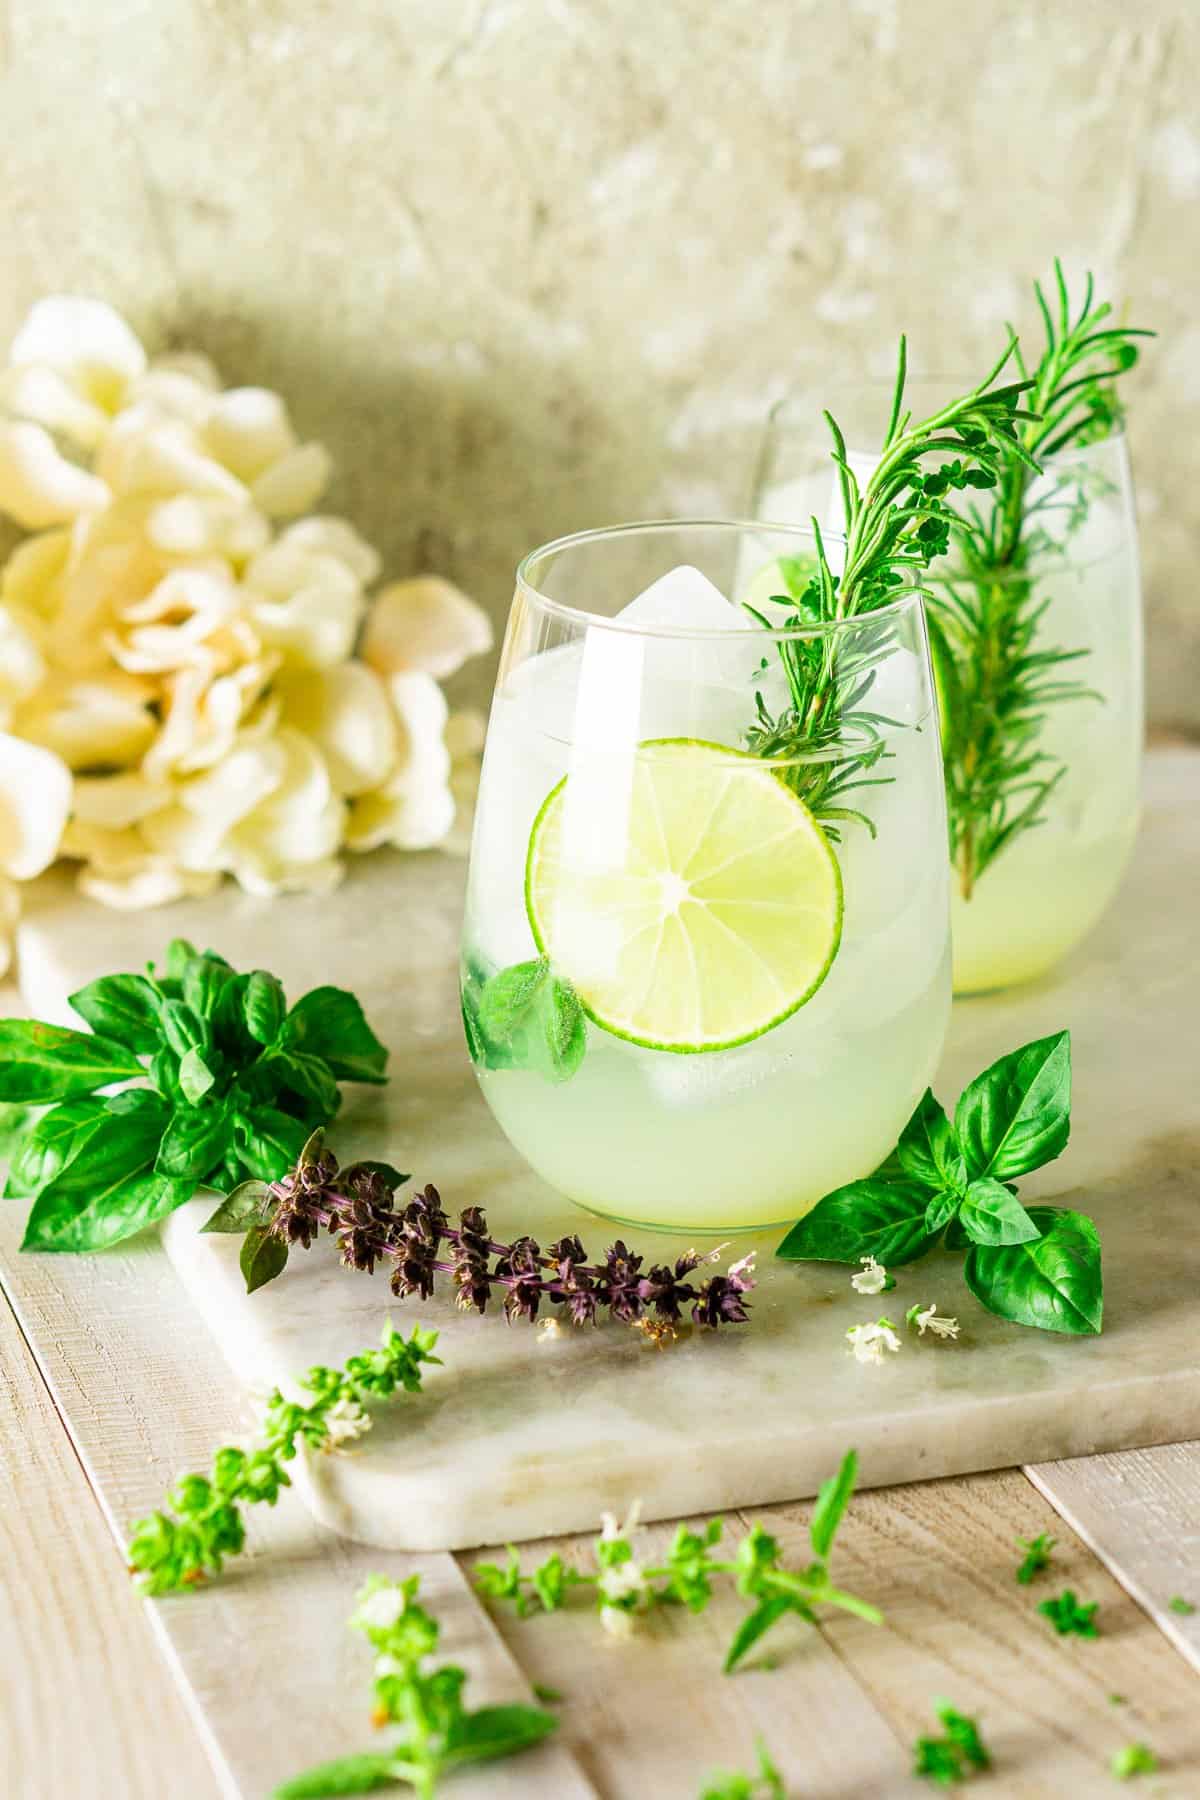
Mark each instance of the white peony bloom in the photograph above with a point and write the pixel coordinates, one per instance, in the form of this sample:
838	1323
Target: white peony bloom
191	662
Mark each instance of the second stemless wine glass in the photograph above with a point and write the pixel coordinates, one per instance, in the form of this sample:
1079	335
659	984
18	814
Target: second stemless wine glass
705	970
1017	912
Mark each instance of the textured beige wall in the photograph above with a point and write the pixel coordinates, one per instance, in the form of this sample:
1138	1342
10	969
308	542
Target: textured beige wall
528	265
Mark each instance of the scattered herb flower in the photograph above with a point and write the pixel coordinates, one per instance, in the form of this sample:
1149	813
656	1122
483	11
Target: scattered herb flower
872	1278
549	1696
183	1546
1037	1556
233	1083
1134	1759
622	1586
955	1755
1179	1605
438	1732
1068	1617
765	1784
953	1184
869	1341
922	1319
358	1206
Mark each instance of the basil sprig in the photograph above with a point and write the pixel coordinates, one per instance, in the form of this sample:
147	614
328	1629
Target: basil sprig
523	1017
954	1183
232	1083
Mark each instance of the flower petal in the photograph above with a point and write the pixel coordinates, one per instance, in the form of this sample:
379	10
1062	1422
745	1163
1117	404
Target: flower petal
323	535
299	823
85	340
155	884
98	722
425	623
32	575
312	623
145	453
38	486
117	801
207	525
294	483
346	712
22	664
248	429
35	800
10	912
414	809
41	394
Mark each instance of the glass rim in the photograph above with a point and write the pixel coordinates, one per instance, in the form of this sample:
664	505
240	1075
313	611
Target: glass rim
908	598
777	416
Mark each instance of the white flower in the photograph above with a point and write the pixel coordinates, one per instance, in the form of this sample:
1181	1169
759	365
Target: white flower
870	1341
381	1608
35	798
924	1320
424	623
872	1278
745	1266
623	1583
549	1331
618	1621
345	1421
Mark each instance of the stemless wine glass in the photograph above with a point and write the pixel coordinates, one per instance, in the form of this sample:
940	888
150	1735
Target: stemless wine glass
1042	891
705	969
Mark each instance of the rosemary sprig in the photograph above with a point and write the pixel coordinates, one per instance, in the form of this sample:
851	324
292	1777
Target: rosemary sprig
896	527
997	679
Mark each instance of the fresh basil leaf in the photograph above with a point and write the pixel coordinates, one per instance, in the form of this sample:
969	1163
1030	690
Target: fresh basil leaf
164	1074
262	1258
535	1019
108	1190
58	1136
183	1028
229	1020
477	1046
941	1209
250	1203
124	1008
832	1499
194	1141
884	1219
990	1214
368	1166
306	1075
928	1149
269	1142
363	1774
16	1122
755	1625
179	955
43	1062
1017	1114
195	1076
329	1023
204	980
132	1100
1053	1283
493	1731
263	1006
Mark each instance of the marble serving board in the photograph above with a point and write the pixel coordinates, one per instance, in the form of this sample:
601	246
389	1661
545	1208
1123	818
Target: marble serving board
519	1435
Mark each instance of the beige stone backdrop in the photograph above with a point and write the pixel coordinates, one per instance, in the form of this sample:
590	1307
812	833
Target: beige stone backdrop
528	265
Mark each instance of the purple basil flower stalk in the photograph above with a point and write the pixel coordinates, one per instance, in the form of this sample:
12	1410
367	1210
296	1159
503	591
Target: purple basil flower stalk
359	1206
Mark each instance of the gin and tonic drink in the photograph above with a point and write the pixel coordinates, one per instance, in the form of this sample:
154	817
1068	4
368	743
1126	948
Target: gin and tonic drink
705	959
1041	892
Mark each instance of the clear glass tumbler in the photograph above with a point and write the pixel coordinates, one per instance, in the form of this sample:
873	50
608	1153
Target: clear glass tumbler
705	968
1017	909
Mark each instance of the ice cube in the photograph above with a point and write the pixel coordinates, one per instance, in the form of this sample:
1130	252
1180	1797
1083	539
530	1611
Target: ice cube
694	686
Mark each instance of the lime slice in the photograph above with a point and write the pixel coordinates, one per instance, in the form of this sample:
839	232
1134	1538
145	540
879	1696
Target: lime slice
712	910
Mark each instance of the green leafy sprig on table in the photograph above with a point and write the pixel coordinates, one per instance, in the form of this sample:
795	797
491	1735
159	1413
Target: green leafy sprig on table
957	1753
953	1184
1037	1555
1068	1617
188	1543
895	528
232	1083
766	1783
996	679
620	1587
438	1732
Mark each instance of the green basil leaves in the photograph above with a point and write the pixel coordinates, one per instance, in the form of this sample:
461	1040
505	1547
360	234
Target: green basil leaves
953	1184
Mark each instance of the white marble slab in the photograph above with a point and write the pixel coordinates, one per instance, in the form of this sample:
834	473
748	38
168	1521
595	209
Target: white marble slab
516	1437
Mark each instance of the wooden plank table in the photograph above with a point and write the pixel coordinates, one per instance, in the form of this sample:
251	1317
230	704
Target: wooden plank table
109	1387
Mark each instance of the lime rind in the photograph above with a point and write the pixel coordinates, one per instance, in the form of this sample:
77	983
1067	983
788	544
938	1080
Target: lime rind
834	914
